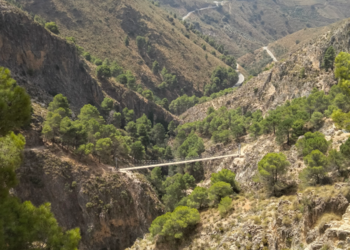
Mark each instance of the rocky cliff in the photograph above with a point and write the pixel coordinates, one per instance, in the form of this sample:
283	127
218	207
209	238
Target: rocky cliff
47	65
111	209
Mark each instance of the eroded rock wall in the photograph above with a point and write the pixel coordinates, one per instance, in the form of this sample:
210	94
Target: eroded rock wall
111	209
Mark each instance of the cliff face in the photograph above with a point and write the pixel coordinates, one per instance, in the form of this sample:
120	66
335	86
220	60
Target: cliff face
111	209
43	63
283	82
47	65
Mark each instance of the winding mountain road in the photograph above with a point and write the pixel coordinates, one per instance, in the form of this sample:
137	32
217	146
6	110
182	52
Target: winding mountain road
206	8
217	4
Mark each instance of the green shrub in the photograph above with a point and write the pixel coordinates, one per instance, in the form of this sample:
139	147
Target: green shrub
219	190
70	39
126	41
103	71
155	67
140	42
80	49
226	176
122	79
182	103
98	62
51	26
225	206
39	20
175	225
87	56
148	94
116	70
89	205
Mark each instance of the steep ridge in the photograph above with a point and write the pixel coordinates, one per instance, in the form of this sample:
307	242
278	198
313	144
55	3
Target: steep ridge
283	82
47	65
101	27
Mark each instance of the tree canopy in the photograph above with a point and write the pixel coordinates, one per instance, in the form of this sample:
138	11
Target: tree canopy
225	175
175	225
15	105
22	225
272	167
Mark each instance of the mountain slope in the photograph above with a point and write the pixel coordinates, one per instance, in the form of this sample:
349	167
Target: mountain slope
100	27
283	82
47	65
244	26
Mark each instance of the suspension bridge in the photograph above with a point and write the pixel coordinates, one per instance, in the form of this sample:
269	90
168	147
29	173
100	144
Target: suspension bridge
163	163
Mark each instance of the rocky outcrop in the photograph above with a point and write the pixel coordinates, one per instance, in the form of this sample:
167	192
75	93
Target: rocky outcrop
111	209
285	223
47	65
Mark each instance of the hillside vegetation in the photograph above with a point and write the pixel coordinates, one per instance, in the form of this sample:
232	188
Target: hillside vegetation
134	34
237	209
244	26
114	84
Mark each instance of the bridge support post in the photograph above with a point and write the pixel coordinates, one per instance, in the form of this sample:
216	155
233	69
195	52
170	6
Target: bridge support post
116	163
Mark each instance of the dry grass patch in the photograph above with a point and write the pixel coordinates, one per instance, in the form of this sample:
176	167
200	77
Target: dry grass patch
326	218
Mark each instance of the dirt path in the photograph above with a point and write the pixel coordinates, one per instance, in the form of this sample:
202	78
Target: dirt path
270	54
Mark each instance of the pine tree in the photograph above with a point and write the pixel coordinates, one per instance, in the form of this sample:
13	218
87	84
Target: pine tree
15	106
104	149
106	105
272	169
137	150
155	67
316	169
329	58
23	225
